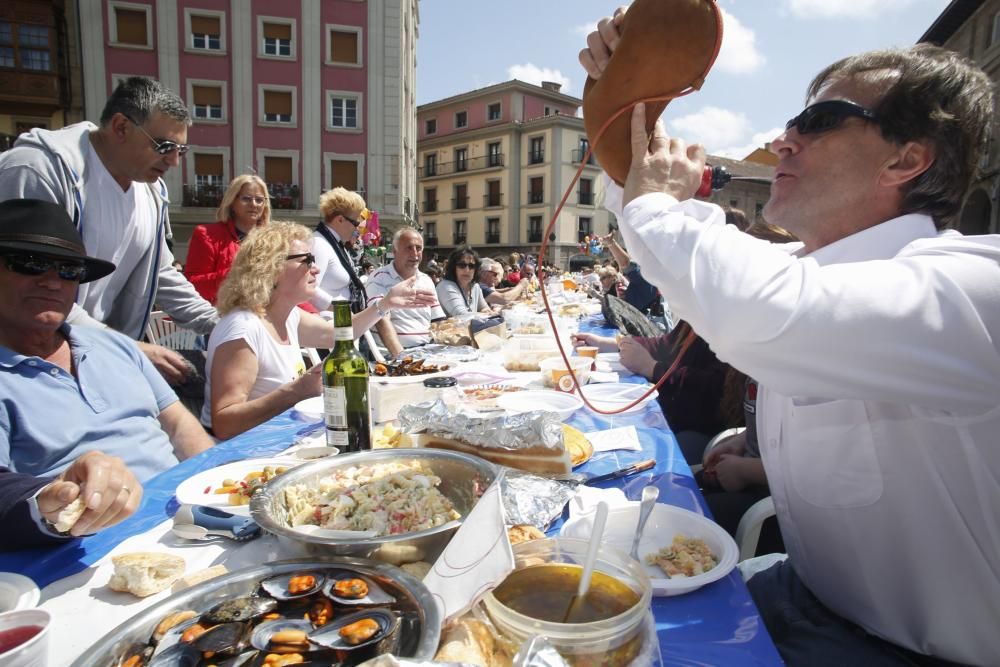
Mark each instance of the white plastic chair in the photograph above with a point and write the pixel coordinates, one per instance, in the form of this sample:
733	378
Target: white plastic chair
161	330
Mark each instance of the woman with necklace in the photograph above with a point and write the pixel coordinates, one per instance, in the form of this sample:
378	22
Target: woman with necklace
459	292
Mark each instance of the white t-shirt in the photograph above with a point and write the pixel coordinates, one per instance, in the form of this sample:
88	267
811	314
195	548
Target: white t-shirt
276	363
117	226
333	282
413	325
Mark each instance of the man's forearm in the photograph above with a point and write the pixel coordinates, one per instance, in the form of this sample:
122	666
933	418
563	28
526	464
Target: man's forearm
387	333
185	433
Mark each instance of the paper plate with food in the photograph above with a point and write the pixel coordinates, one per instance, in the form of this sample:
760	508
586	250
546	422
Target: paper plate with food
691	548
229	487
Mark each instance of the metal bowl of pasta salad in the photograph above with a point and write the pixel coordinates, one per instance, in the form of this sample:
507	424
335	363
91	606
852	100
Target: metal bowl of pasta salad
395	505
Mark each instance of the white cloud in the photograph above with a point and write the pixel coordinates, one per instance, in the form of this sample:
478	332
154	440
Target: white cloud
534	74
713	127
758	140
739	54
852	9
584	28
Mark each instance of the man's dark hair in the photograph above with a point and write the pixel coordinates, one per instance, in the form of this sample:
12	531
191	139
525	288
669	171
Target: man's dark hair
139	97
934	94
456	255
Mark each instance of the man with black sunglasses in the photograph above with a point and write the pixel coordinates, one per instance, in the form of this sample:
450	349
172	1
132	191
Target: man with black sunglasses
875	342
109	181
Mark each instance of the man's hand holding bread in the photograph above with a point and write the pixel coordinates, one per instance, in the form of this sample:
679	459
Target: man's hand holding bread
94	492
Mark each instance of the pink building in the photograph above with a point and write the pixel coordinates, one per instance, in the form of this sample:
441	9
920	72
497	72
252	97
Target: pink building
308	94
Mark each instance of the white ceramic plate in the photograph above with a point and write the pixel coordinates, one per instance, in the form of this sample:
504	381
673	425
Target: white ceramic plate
613	360
665	522
616	395
17	592
541	399
200	489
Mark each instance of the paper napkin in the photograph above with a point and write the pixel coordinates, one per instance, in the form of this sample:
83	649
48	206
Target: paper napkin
624	437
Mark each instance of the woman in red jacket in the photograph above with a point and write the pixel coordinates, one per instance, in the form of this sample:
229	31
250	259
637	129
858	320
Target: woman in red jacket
213	246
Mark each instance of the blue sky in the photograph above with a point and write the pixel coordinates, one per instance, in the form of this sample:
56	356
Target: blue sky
771	50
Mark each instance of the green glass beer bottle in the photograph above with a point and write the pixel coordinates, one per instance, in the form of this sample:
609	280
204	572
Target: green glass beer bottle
345	388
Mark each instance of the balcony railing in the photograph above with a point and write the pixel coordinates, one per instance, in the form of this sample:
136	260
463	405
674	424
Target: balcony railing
431	241
493	199
492	161
536	157
284	196
578	156
458	238
460	203
431	206
535	197
534	236
586	198
493	238
206	196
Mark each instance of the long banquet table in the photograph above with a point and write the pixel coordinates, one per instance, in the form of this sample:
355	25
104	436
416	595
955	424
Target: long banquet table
715	625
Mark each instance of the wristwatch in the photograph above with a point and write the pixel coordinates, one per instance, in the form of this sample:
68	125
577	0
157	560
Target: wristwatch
378	309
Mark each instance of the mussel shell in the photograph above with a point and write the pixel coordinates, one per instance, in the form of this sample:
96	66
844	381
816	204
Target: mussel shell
277	587
328	636
173	636
178	655
252	658
376	594
239	609
144	651
227	639
261	636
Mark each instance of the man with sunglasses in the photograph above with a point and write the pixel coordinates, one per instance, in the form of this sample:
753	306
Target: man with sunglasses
875	342
109	181
104	393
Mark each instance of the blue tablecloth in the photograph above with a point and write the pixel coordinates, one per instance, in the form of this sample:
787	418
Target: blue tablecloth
715	625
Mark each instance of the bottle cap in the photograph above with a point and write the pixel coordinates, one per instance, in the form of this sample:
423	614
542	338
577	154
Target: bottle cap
440	383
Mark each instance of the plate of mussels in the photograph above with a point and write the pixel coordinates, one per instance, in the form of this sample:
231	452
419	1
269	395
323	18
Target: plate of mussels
407	369
336	612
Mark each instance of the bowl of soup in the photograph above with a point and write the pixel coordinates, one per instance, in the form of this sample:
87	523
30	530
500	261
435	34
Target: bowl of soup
538	598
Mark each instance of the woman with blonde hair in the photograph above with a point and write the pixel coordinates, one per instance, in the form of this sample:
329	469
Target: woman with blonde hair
254	368
245	205
343	212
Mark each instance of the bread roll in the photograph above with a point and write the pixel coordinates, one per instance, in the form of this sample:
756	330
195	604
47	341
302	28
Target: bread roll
144	573
468	641
189	580
69	515
524	532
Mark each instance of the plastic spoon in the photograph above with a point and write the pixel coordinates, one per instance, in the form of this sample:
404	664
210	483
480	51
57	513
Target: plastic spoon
649	495
600	518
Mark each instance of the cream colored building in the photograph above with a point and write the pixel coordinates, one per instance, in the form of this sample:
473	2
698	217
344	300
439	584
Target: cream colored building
493	165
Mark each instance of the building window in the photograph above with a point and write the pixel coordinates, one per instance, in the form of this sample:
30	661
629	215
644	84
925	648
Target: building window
461	119
343	112
581	152
343	46
459	236
26	47
548	111
206	102
278	106
276	39
282	186
494	158
493	230
131	24
209	173
6	44
431	126
461	200
536	190
583	229
431	233
344	174
430	164
535	229
586	192
493	196
536	150
430	200
493	111
206	32
461	159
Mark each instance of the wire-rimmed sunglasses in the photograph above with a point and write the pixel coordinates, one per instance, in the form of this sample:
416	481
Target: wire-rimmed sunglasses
305	258
828	115
36	265
165	147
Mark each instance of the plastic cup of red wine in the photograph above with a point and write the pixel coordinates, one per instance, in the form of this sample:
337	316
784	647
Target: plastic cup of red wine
24	638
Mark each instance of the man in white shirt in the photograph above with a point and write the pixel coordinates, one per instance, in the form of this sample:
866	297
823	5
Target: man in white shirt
876	345
413	326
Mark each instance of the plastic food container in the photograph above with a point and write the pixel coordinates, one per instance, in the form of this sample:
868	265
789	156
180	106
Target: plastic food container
554	369
613	642
525	353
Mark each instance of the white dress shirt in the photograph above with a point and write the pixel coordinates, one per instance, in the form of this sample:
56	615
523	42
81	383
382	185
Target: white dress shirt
878	416
333	282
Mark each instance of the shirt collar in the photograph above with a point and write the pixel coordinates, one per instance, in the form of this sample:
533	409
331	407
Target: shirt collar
9	358
878	242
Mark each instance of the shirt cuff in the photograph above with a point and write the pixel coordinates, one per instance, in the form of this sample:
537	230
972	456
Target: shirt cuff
44	527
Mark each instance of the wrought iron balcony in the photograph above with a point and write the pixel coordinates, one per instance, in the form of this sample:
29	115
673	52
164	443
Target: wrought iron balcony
492	161
536	157
460	203
206	196
284	196
535	236
458	238
430	206
431	241
578	154
535	197
493	238
585	198
493	199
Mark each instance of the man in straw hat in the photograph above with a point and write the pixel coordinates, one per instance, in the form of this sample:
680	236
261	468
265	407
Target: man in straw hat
876	342
106	393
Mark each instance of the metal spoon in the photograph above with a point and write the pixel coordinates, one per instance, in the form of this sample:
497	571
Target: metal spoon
649	495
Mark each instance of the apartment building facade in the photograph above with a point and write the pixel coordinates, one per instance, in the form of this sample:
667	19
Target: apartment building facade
308	94
493	165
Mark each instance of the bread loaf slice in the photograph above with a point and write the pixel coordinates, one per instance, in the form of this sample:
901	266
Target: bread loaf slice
145	573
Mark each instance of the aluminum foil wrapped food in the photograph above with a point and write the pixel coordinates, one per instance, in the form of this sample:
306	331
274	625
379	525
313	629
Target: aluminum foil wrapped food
530	441
534	500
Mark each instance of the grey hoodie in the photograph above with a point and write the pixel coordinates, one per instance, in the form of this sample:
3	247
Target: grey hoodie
50	165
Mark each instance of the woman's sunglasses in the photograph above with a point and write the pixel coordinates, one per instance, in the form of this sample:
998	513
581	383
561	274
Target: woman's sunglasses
464	265
306	258
828	115
165	147
34	265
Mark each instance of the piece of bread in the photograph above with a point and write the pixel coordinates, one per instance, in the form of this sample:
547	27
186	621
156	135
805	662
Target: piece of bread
189	580
524	532
145	573
538	459
418	570
69	515
468	641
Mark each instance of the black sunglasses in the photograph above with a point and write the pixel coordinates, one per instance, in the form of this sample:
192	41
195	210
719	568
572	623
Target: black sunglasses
35	265
165	147
464	265
828	115
306	258
354	222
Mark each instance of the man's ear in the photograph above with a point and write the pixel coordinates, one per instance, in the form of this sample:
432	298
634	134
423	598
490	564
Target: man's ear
907	163
119	126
